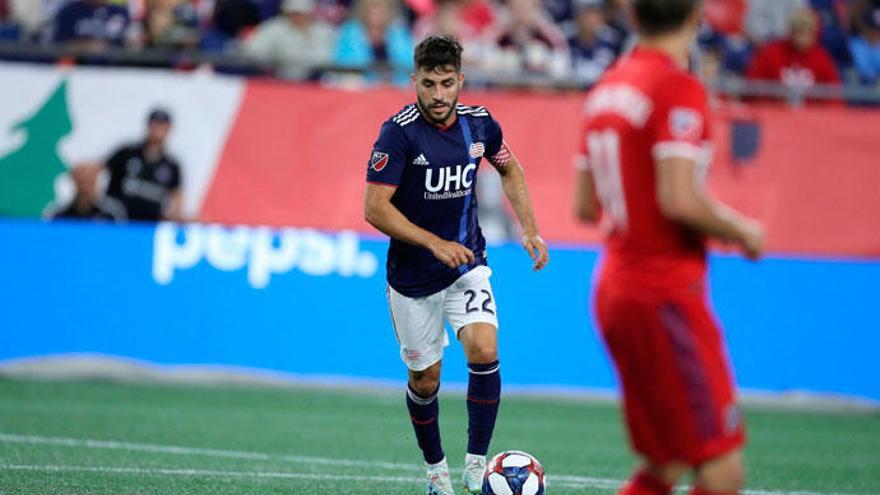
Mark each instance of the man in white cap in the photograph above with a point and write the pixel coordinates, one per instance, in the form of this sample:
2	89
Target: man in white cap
295	41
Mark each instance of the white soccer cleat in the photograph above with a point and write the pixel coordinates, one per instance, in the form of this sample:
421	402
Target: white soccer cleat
438	479
474	470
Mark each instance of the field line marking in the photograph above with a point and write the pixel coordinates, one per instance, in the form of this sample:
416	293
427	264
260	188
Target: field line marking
205	473
238	474
559	479
176	450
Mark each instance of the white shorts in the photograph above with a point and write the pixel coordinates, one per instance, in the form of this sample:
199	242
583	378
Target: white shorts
418	322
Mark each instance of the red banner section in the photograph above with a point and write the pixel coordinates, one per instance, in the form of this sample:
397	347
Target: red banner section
297	155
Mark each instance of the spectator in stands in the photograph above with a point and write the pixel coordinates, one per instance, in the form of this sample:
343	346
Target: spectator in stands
170	24
294	41
231	19
87	203
268	8
723	39
527	41
595	45
768	20
93	25
797	61
619	19
865	44
376	37
562	13
468	21
10	27
835	22
35	16
725	16
861	13
333	12
464	19
145	178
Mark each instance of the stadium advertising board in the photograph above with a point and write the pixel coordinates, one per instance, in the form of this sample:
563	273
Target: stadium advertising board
312	303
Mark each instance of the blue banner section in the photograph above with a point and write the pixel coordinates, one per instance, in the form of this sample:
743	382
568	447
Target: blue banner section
309	302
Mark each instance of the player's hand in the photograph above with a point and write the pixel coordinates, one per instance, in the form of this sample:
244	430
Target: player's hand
537	249
452	254
751	239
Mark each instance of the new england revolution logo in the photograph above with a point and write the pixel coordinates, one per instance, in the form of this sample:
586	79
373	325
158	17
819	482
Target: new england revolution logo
477	150
378	161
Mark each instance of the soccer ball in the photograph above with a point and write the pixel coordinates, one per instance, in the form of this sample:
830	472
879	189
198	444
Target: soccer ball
513	473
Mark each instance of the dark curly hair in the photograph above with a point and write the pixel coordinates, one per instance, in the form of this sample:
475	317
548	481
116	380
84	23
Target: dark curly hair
656	17
436	52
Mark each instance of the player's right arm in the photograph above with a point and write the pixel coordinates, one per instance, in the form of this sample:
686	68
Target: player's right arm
681	132
682	201
382	214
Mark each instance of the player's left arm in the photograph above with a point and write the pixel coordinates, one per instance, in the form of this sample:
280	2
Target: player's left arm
513	180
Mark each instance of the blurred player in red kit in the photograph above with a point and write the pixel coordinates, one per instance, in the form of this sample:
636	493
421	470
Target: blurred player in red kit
645	154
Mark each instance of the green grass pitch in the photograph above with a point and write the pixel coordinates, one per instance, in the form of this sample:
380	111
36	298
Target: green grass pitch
111	438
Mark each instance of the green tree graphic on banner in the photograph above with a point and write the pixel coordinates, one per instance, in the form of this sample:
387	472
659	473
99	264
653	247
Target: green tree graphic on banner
27	174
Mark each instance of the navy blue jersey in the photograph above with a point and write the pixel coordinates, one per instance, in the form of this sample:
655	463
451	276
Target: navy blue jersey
435	171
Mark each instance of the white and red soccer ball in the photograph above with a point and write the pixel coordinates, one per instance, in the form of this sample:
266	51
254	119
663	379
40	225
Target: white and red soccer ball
513	473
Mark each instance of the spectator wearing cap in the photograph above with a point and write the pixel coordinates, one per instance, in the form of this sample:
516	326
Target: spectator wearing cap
294	41
864	45
595	45
144	177
93	25
376	37
797	61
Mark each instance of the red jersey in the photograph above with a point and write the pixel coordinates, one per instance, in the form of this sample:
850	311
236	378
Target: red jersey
645	109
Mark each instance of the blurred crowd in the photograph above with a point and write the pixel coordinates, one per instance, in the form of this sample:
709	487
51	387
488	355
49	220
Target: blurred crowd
796	42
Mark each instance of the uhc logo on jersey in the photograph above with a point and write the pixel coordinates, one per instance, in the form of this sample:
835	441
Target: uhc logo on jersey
378	161
685	124
451	182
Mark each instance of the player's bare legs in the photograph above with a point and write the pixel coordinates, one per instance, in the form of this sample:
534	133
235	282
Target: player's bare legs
722	475
654	479
669	473
425	382
480	342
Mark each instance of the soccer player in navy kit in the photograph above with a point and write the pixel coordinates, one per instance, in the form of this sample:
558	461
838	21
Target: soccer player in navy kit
421	192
